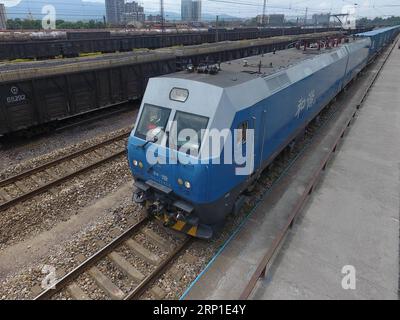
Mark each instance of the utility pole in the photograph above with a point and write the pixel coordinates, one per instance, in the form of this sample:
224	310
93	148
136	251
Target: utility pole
216	29
162	22
263	15
306	16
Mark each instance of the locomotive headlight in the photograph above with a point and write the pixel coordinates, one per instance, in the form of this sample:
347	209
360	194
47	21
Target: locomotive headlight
180	182
141	165
135	163
188	185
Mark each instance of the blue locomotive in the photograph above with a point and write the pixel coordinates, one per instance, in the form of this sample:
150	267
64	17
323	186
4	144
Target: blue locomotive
204	136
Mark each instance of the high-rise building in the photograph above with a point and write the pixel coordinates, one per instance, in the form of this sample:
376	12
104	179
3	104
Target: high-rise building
3	17
133	13
115	12
186	7
191	10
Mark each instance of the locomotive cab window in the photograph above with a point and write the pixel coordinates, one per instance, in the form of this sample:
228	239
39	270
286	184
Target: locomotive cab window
242	132
152	122
189	131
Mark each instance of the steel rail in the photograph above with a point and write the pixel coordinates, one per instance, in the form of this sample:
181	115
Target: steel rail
278	240
141	288
98	256
58	181
52	163
67	279
122	107
30	194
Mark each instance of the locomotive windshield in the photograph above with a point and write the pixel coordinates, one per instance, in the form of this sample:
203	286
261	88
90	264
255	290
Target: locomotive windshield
189	131
154	119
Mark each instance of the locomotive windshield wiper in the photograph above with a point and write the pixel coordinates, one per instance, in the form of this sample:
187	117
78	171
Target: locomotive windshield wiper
155	139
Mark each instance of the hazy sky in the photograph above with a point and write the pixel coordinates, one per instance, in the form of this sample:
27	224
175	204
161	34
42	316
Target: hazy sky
249	8
245	8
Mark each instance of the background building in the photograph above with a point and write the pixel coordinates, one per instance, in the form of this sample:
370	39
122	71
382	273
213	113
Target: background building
115	12
3	18
191	10
134	13
275	20
321	19
154	18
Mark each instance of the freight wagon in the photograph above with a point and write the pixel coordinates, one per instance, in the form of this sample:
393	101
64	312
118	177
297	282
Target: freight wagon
45	49
39	102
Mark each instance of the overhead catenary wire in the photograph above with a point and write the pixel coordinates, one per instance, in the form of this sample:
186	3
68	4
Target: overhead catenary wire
241	7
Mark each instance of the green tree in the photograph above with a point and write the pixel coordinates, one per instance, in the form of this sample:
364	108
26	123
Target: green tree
28	24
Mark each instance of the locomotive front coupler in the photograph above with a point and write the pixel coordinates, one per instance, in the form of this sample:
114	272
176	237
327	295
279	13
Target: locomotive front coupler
174	216
170	220
156	209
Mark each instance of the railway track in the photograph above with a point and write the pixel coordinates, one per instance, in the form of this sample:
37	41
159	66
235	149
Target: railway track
32	182
113	110
115	254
